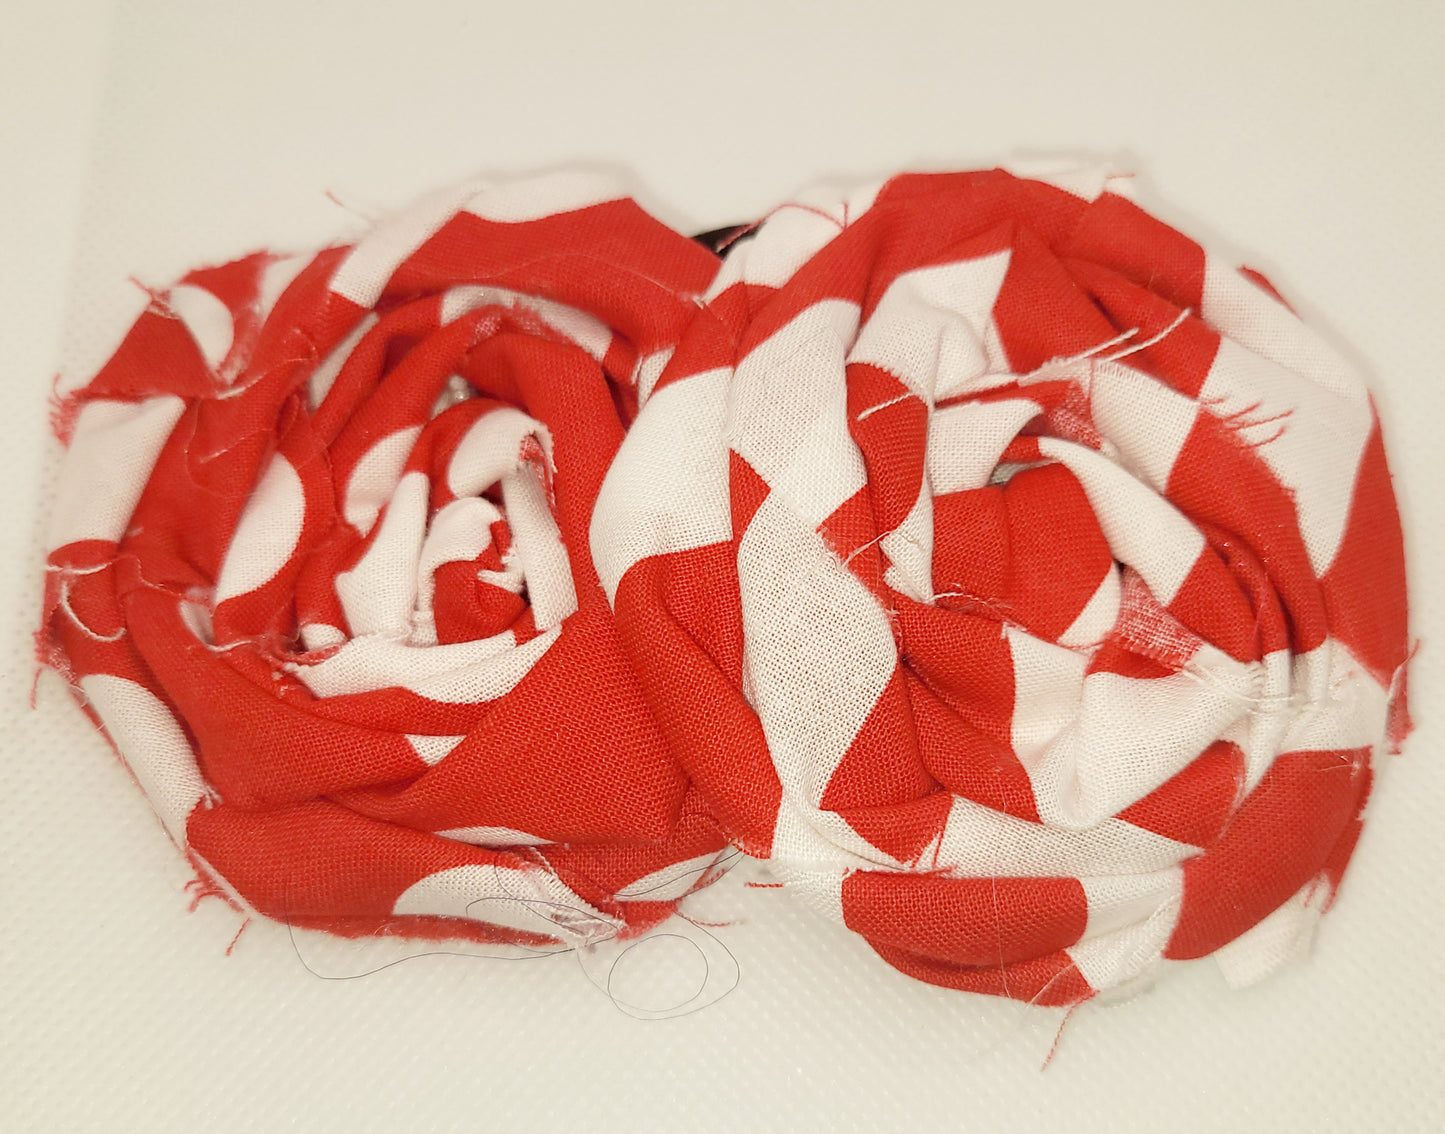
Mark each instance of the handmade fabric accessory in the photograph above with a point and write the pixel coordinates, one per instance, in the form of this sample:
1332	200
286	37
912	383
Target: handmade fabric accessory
319	565
1023	581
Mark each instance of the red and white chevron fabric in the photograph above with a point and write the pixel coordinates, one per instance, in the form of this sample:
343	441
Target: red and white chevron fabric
319	565
1025	583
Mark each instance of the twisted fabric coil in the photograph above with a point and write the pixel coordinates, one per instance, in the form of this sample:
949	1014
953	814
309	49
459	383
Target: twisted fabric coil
1025	583
320	566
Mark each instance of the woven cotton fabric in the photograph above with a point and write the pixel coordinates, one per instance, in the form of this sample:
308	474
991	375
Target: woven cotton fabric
319	566
1024	582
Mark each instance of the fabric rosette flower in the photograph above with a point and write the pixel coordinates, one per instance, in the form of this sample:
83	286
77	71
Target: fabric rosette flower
1025	582
319	565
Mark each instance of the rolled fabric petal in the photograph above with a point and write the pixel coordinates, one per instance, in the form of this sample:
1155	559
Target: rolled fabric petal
1025	582
319	565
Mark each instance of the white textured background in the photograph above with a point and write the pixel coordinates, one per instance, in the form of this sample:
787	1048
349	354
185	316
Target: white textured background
144	138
